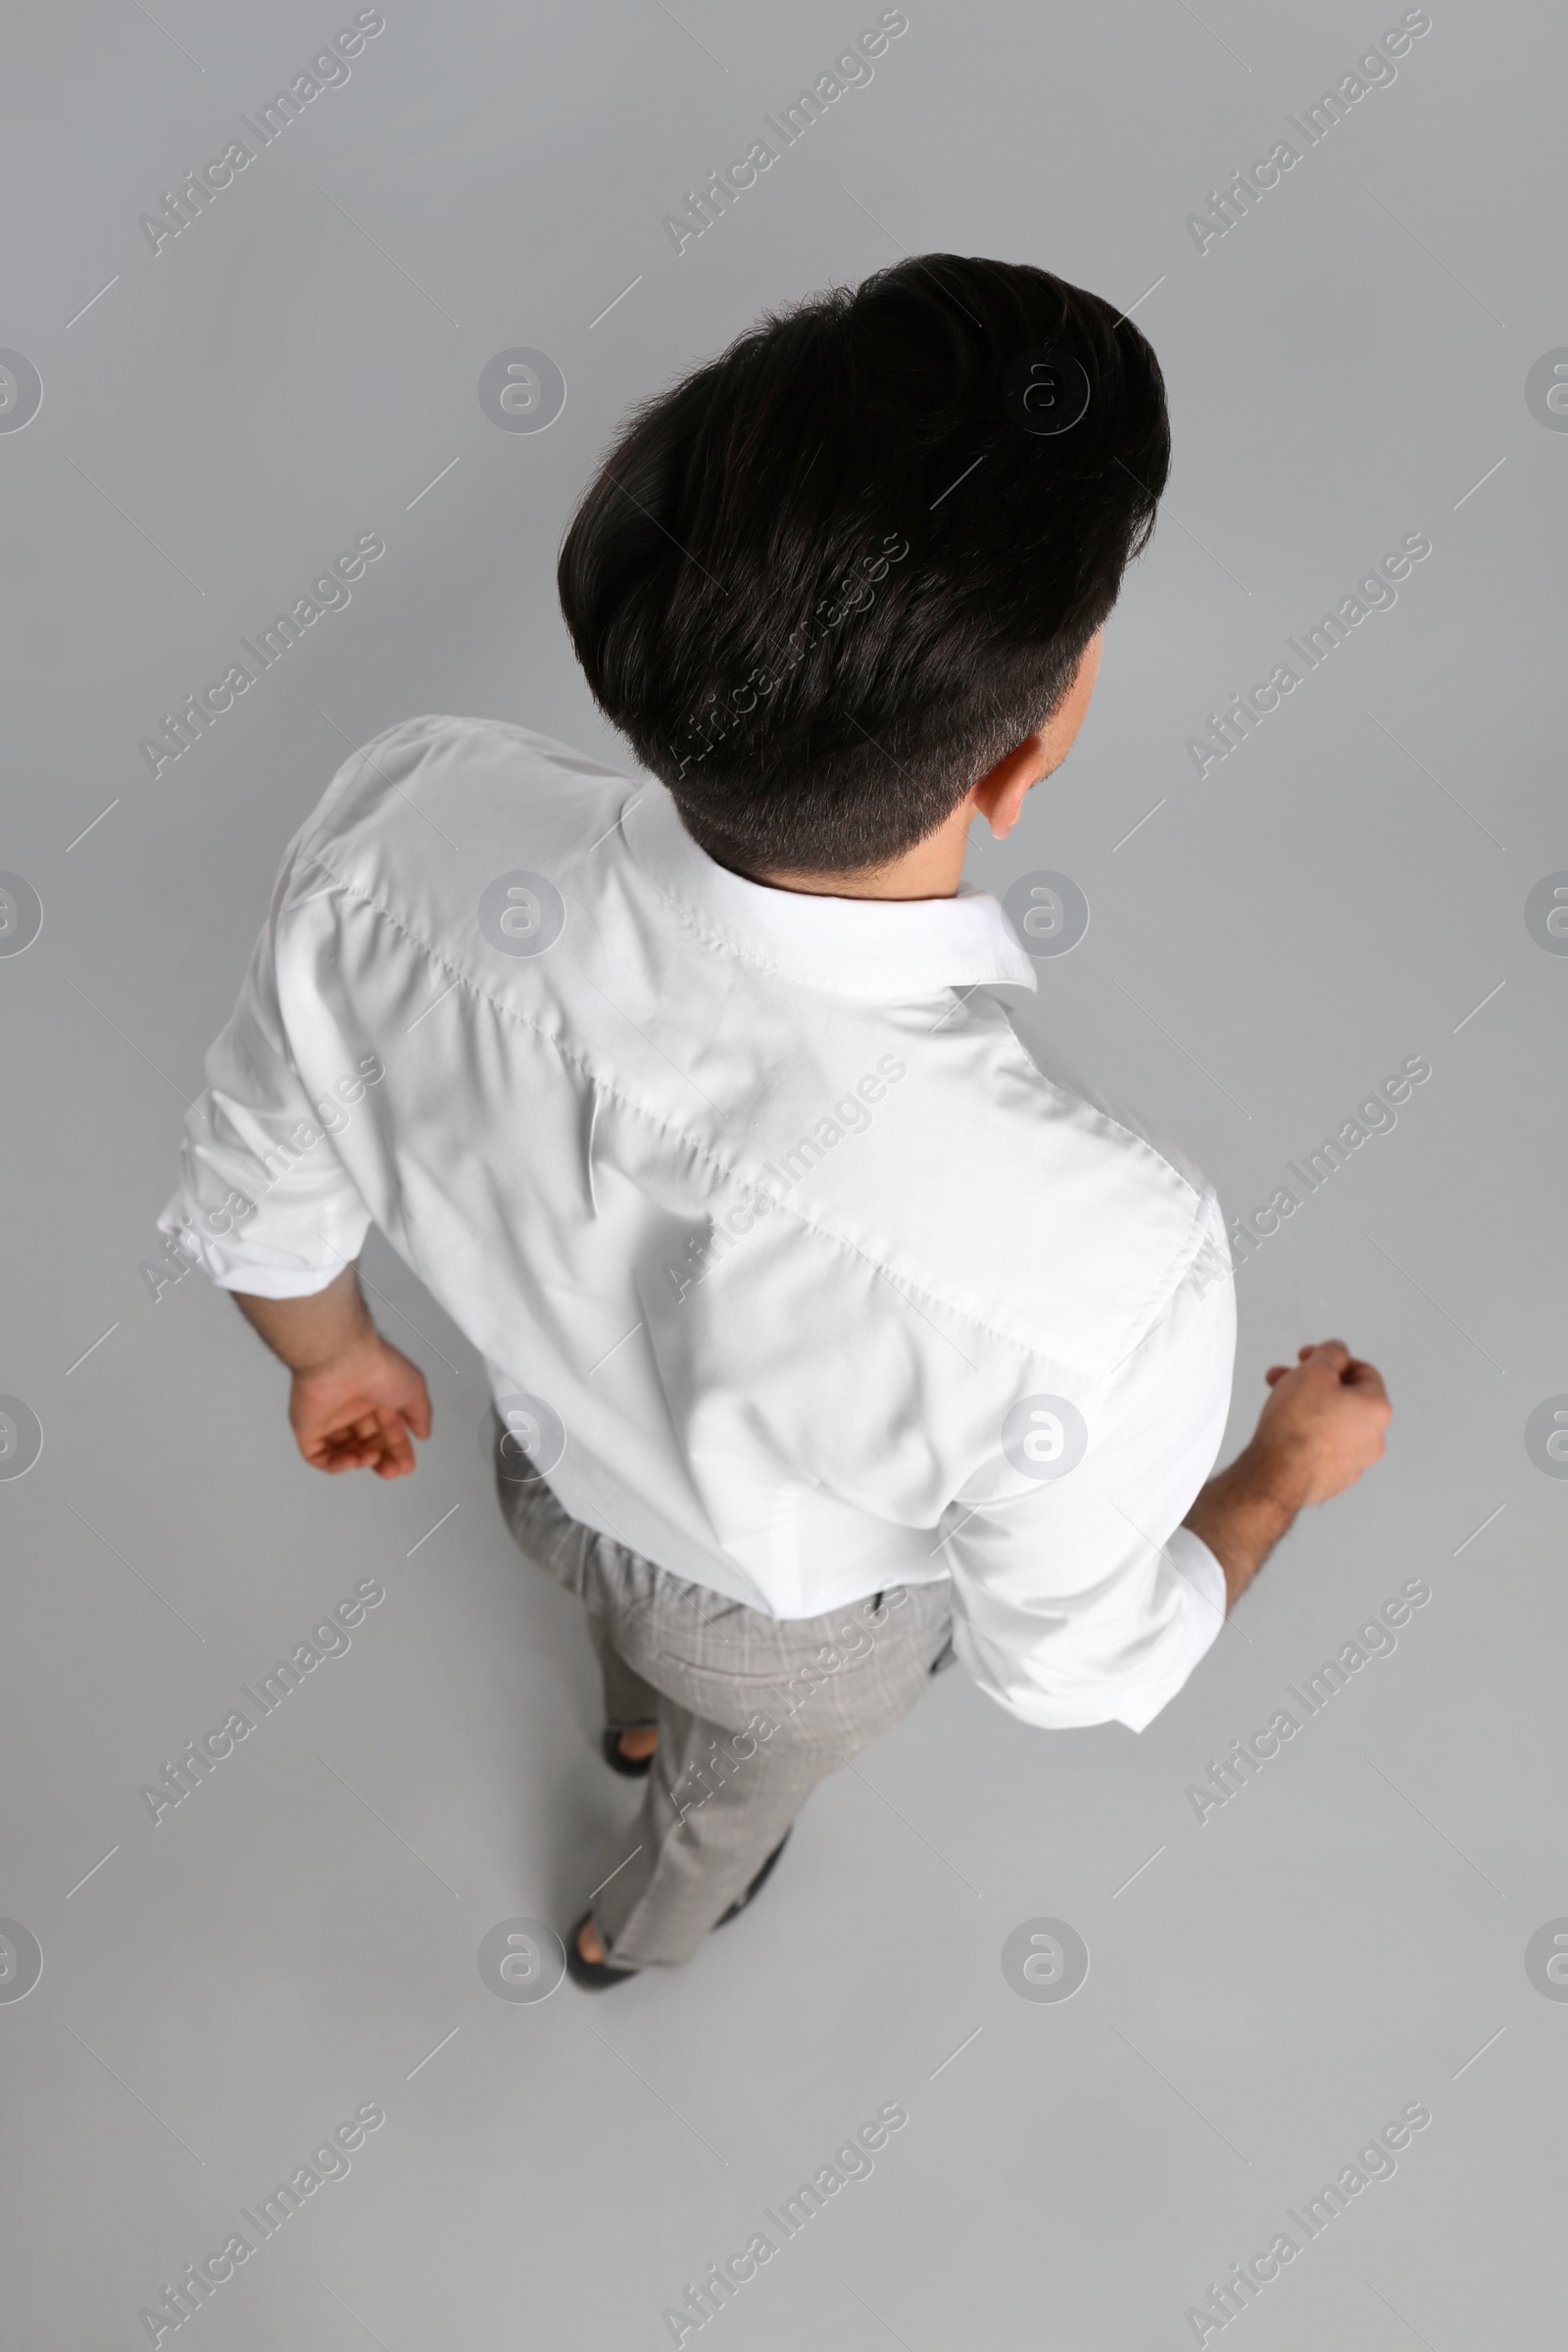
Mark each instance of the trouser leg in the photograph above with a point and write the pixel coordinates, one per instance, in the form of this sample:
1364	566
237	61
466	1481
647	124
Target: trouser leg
630	1703
752	1711
564	1548
743	1739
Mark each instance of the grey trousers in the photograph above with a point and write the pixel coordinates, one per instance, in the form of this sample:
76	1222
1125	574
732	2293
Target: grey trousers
752	1712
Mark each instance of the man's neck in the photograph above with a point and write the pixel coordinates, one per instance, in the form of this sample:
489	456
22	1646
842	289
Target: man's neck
932	869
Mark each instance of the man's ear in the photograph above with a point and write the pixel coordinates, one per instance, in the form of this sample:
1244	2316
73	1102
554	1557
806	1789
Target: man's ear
999	794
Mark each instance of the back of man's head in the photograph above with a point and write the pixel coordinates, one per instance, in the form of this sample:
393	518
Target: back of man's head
826	581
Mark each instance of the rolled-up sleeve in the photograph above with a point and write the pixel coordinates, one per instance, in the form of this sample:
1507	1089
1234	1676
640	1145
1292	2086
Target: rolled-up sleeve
265	1204
1081	1598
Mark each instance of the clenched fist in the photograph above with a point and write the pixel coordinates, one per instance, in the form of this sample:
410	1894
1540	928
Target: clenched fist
1324	1421
1321	1427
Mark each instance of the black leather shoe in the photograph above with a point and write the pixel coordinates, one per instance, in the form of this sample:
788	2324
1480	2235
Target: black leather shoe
756	1885
594	1976
635	1768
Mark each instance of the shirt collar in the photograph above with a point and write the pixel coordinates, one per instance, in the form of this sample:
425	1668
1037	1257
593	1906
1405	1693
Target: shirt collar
854	947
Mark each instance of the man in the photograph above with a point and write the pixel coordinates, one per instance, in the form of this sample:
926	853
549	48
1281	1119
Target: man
830	1340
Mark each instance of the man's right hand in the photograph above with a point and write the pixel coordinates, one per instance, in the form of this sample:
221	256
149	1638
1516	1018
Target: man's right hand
1321	1426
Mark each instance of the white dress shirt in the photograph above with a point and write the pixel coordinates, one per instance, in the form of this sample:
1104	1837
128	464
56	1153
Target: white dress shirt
790	1268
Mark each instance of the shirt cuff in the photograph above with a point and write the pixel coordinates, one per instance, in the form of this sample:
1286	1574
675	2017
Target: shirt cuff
1196	1565
1204	1580
278	1275
1133	1699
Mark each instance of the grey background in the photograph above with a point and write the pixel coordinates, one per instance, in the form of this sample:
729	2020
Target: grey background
296	1938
